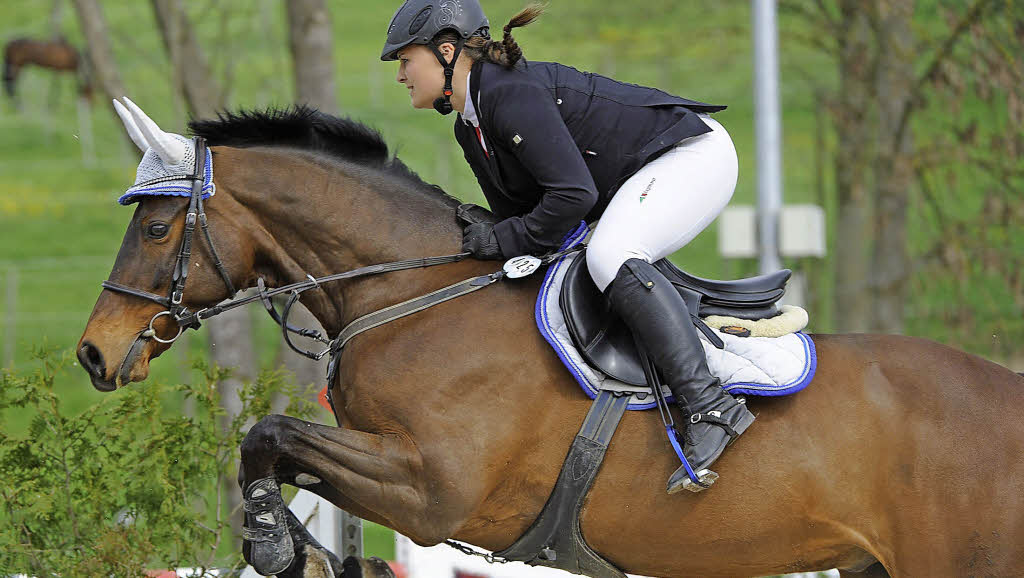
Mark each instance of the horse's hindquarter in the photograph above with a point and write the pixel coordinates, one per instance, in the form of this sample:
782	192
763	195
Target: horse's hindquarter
895	450
948	479
864	460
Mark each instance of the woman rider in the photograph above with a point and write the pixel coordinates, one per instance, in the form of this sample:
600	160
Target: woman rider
552	146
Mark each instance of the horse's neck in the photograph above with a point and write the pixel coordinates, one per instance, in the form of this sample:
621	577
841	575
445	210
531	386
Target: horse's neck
325	219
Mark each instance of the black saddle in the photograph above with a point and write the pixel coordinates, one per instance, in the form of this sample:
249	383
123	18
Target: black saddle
606	342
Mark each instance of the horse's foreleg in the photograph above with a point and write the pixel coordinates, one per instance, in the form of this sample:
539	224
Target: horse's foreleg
347	467
10	77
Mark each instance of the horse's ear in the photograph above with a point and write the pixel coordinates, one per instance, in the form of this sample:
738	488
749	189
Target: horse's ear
170	149
129	125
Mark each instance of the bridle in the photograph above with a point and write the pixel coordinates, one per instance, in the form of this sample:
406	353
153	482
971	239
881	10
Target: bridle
183	264
186	319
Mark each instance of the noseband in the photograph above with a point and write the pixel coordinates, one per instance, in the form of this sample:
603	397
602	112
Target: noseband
182	265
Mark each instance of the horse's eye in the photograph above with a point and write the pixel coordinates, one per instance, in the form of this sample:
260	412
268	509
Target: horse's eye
157	230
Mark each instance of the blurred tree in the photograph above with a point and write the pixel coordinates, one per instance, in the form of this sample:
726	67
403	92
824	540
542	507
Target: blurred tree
192	76
312	49
881	156
103	67
230	334
855	126
894	178
309	36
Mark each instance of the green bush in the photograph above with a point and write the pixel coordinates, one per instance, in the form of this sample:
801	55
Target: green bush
125	484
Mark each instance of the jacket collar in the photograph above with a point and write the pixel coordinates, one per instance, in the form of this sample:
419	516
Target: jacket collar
469	114
473	92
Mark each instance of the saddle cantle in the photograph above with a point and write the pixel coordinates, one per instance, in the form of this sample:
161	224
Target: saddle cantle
607	343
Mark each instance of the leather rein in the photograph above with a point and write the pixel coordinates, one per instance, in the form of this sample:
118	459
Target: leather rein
186	319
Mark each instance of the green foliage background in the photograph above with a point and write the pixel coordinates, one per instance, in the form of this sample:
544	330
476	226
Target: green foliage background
127	483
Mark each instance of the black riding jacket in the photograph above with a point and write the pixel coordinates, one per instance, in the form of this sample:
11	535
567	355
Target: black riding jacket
561	142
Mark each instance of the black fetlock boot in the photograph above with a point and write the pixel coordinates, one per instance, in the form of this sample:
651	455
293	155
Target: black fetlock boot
657	315
267	544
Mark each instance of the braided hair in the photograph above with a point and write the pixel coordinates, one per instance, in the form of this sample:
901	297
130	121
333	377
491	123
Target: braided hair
505	52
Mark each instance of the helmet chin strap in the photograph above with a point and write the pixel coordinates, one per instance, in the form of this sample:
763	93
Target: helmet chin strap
443	104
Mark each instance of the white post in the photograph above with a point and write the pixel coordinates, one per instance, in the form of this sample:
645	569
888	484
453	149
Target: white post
768	132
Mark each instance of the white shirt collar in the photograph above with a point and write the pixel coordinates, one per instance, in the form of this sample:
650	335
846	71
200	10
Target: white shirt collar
469	114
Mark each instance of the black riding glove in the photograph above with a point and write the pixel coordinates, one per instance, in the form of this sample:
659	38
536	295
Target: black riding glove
479	239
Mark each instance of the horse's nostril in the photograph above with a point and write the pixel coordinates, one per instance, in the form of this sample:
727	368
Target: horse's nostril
92	359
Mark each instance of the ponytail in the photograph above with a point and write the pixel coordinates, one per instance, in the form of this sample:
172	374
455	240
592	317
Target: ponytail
510	48
505	52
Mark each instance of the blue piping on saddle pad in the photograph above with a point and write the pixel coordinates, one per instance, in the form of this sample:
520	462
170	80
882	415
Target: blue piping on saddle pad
738	387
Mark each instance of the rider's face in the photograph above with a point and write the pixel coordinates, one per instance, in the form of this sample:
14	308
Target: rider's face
422	74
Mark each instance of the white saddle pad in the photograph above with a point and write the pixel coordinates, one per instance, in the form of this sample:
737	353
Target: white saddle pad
770	366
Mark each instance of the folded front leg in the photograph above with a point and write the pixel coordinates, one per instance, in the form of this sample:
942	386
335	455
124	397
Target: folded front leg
378	474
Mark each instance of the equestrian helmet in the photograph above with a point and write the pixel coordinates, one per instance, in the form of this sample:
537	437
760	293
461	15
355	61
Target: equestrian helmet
418	21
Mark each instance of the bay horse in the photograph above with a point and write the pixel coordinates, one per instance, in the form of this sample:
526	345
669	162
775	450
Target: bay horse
56	54
902	458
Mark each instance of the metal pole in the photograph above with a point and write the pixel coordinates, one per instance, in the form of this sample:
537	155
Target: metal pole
768	130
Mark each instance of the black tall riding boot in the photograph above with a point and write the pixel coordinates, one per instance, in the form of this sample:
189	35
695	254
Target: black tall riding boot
657	314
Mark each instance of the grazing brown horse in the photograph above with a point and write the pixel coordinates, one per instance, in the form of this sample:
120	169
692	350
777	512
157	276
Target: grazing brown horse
56	55
902	458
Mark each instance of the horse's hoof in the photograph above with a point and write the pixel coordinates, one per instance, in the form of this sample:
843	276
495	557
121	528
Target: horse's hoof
707	478
271	550
366	568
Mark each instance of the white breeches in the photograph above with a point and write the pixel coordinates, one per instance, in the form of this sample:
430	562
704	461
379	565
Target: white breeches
665	204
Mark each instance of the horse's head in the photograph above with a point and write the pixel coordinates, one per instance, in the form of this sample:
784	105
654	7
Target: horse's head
134	318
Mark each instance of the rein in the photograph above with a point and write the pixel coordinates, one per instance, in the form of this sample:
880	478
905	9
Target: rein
186	319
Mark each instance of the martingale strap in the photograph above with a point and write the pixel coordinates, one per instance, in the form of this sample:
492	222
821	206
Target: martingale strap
397	311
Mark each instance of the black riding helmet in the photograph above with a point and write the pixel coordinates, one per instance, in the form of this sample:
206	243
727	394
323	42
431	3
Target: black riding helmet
418	21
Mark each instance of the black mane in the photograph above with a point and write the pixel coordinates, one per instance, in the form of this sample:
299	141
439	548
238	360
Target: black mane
308	129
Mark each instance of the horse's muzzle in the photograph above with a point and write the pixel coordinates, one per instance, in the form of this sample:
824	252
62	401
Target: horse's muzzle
92	361
95	364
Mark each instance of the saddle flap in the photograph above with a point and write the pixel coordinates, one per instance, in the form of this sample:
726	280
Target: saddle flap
603	339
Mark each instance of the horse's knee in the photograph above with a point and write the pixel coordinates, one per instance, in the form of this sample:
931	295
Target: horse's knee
269	437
